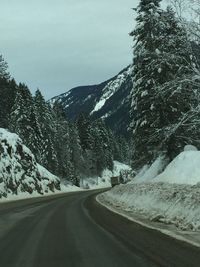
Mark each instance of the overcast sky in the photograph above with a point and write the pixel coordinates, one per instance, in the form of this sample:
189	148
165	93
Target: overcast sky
55	45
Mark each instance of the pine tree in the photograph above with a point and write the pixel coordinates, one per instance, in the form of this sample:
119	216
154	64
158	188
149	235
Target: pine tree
101	147
147	38
4	69
76	151
161	54
178	95
83	126
23	119
62	141
7	93
46	155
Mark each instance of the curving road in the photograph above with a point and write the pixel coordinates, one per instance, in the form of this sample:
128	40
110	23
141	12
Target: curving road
73	230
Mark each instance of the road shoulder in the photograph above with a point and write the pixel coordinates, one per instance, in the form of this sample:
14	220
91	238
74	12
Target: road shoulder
190	237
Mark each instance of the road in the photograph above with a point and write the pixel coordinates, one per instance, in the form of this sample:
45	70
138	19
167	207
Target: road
73	230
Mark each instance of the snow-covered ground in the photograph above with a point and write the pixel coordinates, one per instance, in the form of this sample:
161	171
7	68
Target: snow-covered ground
104	180
20	175
160	194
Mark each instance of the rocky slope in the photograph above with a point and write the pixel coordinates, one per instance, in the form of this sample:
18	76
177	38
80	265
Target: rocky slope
19	171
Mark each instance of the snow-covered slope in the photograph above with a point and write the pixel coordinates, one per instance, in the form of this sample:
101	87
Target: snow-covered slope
184	169
109	100
19	172
173	196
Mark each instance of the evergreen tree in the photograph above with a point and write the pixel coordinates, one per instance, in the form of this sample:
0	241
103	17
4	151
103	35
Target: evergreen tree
7	93
23	119
83	126
76	151
62	141
71	151
147	38
4	69
101	147
161	54
8	90
46	154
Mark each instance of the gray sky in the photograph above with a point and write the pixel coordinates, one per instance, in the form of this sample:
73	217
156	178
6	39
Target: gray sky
55	45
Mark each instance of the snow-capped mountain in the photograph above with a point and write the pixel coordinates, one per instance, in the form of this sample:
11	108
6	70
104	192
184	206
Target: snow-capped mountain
19	171
109	100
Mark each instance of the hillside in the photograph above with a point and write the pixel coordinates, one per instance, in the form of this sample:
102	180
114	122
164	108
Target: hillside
109	100
19	171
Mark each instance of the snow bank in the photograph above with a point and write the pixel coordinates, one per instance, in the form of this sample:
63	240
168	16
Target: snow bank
19	171
184	169
172	197
177	204
147	173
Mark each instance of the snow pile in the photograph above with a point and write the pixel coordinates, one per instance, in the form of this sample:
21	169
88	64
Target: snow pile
177	204
19	171
147	173
190	148
171	197
104	180
184	169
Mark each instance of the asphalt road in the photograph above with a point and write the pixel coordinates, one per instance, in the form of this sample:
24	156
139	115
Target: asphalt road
73	230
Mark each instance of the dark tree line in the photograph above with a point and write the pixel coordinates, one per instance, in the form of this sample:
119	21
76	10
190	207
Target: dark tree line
69	150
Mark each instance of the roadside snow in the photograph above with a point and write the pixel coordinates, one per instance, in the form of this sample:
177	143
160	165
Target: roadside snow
190	237
184	169
177	204
190	148
170	197
26	195
147	173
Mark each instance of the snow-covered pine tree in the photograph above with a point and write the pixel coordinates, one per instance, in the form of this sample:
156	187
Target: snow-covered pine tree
23	119
4	69
144	117
102	146
178	92
83	126
8	90
7	93
161	54
76	151
46	154
62	141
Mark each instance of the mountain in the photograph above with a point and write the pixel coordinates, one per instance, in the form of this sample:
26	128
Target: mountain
109	100
19	171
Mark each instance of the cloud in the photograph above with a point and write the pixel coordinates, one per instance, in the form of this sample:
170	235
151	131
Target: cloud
58	44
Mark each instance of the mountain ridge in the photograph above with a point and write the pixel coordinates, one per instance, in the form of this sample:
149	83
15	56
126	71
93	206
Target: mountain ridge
109	100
